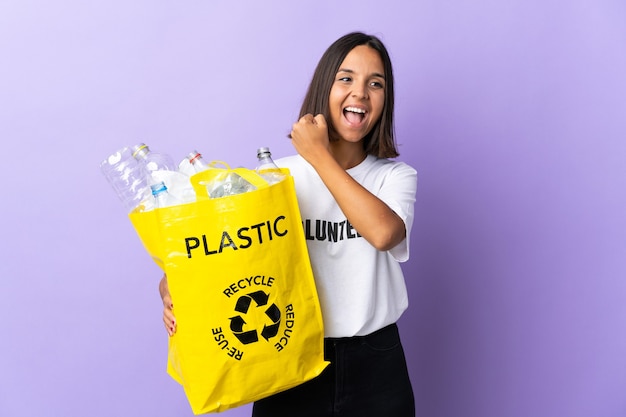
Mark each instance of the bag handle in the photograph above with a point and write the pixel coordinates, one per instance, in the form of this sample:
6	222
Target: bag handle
200	180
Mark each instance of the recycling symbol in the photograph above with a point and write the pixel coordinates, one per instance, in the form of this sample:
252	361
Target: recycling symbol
237	323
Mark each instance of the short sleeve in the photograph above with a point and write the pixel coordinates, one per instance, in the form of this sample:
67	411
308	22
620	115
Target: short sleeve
398	192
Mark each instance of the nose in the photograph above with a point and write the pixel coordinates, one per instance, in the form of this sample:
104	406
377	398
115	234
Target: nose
359	91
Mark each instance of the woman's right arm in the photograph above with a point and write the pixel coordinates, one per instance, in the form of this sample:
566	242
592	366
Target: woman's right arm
168	307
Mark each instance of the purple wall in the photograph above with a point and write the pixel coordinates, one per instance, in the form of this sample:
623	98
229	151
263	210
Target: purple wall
512	112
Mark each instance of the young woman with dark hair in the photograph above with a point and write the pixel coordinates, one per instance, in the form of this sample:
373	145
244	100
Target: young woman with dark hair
380	141
357	210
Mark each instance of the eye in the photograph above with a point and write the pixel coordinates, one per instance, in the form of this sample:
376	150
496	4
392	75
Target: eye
344	79
377	84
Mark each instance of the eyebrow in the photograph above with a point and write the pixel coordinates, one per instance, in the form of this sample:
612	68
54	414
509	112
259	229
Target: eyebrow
374	74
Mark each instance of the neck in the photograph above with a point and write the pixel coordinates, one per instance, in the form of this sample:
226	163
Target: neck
347	155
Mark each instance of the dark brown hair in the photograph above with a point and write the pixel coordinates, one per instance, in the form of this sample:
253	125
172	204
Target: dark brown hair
380	141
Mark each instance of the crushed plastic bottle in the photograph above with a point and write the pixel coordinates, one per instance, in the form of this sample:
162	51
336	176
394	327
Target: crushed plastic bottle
231	184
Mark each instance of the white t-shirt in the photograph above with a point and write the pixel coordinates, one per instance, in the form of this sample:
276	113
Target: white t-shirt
361	289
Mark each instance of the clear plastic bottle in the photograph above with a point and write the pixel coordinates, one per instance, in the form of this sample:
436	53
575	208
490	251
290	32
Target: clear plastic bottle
123	174
266	167
162	198
196	161
151	163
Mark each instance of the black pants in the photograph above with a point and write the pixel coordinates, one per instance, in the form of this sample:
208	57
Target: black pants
367	377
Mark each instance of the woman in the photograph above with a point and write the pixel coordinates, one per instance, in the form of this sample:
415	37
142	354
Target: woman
357	210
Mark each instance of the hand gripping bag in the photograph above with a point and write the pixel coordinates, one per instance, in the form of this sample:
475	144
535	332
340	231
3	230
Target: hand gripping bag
249	323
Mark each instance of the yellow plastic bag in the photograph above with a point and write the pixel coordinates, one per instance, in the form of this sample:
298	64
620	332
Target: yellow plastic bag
248	318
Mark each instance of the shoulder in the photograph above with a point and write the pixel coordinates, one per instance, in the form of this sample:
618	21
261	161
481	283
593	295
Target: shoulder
395	165
388	167
296	164
289	161
300	170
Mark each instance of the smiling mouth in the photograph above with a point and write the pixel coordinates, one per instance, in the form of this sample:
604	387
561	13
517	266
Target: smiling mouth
354	115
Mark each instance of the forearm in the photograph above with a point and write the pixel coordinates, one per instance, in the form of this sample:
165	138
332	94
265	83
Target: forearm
369	215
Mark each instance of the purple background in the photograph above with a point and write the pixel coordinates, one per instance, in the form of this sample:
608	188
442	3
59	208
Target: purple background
513	113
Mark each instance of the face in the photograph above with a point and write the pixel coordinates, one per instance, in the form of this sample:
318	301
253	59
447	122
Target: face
357	95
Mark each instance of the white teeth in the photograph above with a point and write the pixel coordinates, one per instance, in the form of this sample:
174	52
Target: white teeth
355	110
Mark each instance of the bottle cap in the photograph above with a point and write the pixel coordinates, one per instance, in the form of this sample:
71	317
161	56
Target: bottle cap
140	150
158	188
193	156
262	151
